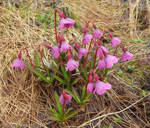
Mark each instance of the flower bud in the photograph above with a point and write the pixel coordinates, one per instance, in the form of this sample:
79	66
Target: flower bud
123	48
85	30
90	78
110	35
77	45
96	77
69	54
19	55
94	26
48	46
62	15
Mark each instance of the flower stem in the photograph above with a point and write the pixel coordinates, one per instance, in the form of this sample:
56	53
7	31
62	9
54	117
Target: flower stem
28	57
103	35
42	59
87	53
55	26
95	57
87	83
116	49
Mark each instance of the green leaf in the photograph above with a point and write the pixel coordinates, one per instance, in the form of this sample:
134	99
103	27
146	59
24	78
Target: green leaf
56	70
28	65
17	125
92	61
75	81
107	127
37	59
135	40
117	120
131	67
59	79
68	111
143	93
53	111
39	74
83	92
85	74
55	118
77	95
71	114
47	70
120	72
66	77
88	95
73	95
58	104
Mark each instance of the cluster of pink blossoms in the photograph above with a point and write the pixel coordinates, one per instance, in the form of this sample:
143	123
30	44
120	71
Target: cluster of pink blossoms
99	86
105	60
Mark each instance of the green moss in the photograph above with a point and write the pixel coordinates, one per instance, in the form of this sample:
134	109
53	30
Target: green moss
137	73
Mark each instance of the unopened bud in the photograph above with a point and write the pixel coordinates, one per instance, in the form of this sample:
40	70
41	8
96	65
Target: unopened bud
85	30
110	35
62	15
62	39
19	55
94	26
77	45
69	54
96	77
123	48
90	79
48	46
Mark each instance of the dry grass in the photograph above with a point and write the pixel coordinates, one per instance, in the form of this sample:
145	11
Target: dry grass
25	100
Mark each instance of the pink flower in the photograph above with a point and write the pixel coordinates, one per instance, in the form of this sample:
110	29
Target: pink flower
126	56
115	41
90	87
87	38
97	33
107	62
55	51
72	64
65	46
67	99
101	87
101	48
66	23
82	52
110	60
101	64
18	63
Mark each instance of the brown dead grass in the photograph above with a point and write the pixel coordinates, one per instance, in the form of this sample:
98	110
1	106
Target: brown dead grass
25	100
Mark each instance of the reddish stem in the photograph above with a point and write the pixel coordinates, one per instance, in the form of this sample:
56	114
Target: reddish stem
116	49
42	59
95	58
28	56
87	53
88	23
87	83
55	26
103	35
